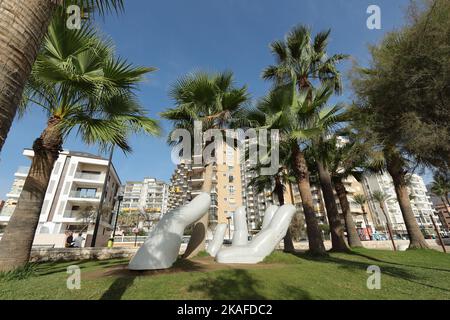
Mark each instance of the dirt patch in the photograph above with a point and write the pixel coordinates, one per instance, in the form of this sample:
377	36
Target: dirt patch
204	264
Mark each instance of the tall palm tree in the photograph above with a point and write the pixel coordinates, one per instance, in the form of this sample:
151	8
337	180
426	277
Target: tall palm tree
23	25
215	101
441	188
362	201
300	117
321	157
380	197
343	162
306	58
82	87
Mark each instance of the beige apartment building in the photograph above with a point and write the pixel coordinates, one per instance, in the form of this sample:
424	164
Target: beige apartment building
226	192
72	199
150	196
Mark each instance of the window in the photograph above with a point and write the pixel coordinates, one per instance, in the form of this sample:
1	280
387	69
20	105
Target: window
231	189
231	179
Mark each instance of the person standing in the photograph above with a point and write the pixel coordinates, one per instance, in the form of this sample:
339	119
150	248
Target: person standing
69	239
78	242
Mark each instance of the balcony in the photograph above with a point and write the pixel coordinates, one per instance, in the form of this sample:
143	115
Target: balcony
22	172
91	178
72	214
197	167
85	195
14	193
7	212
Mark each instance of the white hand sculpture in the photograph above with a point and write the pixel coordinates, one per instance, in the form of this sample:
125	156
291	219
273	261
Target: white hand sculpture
240	234
162	247
268	216
263	243
216	243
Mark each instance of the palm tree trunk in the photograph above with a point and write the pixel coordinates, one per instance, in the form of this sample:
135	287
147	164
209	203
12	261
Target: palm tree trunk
447	207
15	246
279	190
23	25
315	240
389	227
448	200
197	243
395	169
336	228
366	221
353	238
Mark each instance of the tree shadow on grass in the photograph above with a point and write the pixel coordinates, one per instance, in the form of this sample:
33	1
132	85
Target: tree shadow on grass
49	268
392	271
396	263
118	288
231	285
295	293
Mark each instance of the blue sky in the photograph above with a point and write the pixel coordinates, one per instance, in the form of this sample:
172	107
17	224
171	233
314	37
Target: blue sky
180	36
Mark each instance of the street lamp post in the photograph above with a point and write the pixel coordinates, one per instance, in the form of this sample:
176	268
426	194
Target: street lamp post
229	227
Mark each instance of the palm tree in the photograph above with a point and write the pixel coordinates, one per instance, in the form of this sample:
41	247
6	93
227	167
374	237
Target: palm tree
81	86
440	187
362	201
306	58
23	25
320	148
215	101
300	117
344	161
380	197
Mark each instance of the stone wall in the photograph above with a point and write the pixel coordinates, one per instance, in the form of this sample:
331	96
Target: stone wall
72	254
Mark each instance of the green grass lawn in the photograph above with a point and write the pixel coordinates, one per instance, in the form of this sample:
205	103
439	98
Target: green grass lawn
405	275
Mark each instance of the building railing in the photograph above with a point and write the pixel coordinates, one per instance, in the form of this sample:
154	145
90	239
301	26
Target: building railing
71	214
82	195
23	170
7	212
15	191
129	239
89	176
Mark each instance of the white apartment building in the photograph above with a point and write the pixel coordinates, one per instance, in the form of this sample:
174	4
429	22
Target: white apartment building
150	195
72	198
420	202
